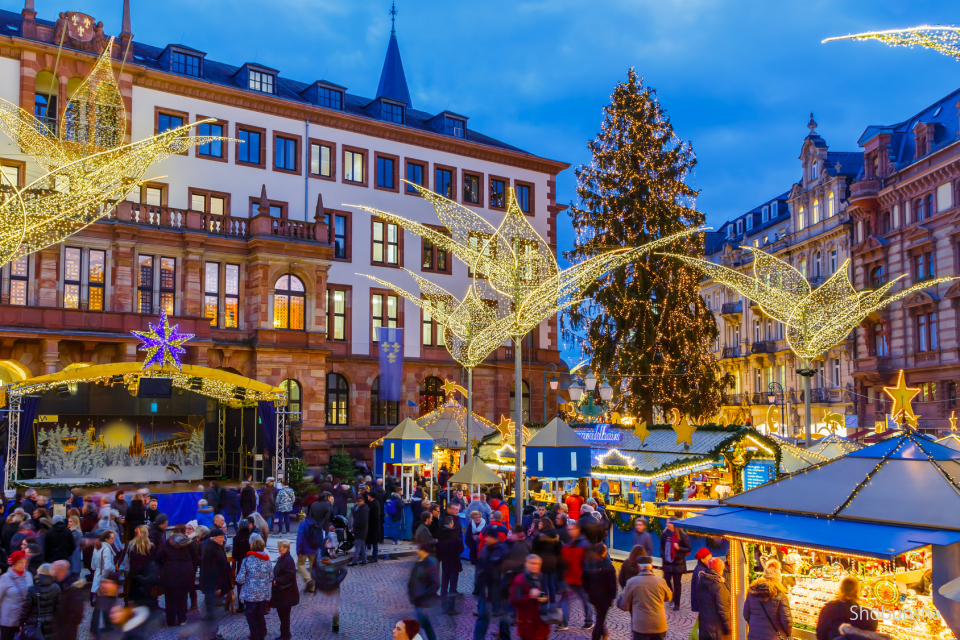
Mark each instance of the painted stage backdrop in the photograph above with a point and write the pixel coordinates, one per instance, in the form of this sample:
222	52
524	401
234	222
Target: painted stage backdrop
124	449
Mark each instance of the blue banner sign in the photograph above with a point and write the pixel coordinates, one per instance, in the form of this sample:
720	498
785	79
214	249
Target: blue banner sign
758	472
600	434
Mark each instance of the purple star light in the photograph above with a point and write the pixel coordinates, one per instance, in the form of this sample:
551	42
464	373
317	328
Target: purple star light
162	343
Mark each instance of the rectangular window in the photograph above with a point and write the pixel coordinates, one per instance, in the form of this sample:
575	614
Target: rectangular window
96	278
415	174
432	332
434	258
286	154
320	160
353	166
392	113
338	235
443	182
167	121
471	189
497	191
836	372
231	287
478	241
385	169
19	269
153	196
260	81
185	64
453	127
214	148
523	197
211	292
71	277
276	210
337	309
248	149
10	175
145	284
386	243
330	98
168	284
383	313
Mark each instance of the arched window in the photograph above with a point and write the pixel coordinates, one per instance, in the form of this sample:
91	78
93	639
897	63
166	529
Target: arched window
289	302
295	395
831	205
338	397
45	100
526	400
877	278
815	170
801	223
816	211
431	395
817	266
385	413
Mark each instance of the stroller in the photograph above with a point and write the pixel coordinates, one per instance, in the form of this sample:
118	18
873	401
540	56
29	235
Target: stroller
345	537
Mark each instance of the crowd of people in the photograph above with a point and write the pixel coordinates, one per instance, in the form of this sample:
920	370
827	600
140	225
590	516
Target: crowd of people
120	557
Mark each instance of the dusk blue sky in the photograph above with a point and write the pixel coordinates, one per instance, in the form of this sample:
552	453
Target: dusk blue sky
738	79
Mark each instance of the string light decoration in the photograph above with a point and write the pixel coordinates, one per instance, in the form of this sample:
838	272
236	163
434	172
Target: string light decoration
902	397
953	420
459	414
163	343
89	169
943	39
450	387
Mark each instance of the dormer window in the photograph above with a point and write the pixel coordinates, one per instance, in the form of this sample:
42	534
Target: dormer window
749	222
330	98
730	231
766	214
815	169
739	227
773	210
392	112
185	63
454	127
260	81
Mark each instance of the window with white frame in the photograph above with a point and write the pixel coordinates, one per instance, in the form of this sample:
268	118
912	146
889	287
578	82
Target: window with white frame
766	214
831	204
836	372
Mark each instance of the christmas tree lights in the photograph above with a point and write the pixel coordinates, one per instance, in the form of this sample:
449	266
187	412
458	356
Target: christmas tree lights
945	40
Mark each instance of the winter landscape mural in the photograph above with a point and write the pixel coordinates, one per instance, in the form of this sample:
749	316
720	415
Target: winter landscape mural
123	449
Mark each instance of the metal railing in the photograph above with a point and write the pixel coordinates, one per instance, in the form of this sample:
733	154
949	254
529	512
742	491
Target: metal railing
731	307
730	352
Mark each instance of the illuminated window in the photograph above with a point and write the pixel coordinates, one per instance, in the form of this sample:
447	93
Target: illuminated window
145	284
831	205
295	397
353	166
72	265
211	291
386	243
320	160
231	287
96	272
431	394
383	313
526	400
497	194
434	258
153	196
185	64
801	222
168	284
383	413
432	331
260	81
337	310
338	397
471	189
816	211
289	303
19	270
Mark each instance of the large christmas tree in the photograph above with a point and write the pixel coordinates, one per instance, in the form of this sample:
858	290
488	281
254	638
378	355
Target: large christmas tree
646	327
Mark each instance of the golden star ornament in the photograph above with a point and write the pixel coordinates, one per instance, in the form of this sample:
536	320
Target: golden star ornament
641	431
683	428
450	387
902	395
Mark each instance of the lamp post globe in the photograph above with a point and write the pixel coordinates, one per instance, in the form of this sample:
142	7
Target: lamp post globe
606	391
576	391
590	381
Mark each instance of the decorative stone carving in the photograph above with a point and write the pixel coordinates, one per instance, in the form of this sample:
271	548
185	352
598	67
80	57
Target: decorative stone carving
80	31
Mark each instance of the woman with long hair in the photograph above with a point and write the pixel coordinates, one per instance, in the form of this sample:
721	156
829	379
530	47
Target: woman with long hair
102	562
138	563
630	566
844	609
76	560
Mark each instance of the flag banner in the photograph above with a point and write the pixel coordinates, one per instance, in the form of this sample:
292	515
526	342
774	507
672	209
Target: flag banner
390	348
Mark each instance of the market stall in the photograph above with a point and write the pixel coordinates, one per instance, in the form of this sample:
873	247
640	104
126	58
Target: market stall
447	425
950	440
407	452
555	454
888	514
833	446
794	458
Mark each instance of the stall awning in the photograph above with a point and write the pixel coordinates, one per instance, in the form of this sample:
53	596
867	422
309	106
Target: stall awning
842	536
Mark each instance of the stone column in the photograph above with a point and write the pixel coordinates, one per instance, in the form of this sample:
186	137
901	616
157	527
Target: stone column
50	356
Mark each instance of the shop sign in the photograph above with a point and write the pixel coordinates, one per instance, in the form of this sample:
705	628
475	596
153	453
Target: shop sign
600	434
758	472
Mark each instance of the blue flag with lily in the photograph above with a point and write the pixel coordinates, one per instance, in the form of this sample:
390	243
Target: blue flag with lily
390	348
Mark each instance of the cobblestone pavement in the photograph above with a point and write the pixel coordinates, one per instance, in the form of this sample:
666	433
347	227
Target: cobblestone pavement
374	597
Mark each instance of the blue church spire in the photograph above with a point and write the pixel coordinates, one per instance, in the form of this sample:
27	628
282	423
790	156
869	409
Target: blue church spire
393	82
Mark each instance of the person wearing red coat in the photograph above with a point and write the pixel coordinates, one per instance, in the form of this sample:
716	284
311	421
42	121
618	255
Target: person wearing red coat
527	593
573	556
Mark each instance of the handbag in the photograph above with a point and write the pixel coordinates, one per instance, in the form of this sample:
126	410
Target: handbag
776	627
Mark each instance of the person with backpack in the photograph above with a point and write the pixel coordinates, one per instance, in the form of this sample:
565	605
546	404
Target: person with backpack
393	509
309	542
328	578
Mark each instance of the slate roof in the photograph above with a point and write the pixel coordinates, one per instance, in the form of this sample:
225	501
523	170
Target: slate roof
219	73
393	82
851	162
715	245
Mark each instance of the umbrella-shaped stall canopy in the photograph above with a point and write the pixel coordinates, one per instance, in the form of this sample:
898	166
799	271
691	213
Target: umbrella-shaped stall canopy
834	446
793	458
474	472
950	440
447	425
407	444
558	451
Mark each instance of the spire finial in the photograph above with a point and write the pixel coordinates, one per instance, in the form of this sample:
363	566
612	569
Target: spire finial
393	18
812	125
125	24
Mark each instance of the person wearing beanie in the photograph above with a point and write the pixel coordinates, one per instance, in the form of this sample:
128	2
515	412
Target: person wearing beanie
703	557
645	597
59	543
767	608
713	603
14	585
158	530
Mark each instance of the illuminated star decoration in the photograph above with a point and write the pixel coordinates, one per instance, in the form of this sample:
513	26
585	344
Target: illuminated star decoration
162	343
391	349
953	420
943	39
505	426
641	431
902	395
450	387
683	428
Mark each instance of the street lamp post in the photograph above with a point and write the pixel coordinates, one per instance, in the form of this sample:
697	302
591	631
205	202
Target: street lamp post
772	397
554	383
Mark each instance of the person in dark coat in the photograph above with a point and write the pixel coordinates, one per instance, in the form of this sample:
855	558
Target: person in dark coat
642	537
178	560
327	577
527	593
248	500
58	543
713	600
216	578
230	506
241	547
39	615
141	565
449	549
268	503
153	512
845	609
361	527
547	545
600	583
136	515
285	594
674	547
322	511
158	531
703	557
422	588
212	495
490	586
375	527
72	595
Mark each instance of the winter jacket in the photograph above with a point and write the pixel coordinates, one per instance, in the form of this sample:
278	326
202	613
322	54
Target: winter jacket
268	501
529	625
88	522
645	541
248	501
230	502
136	514
838	612
241	545
513	563
449	550
285	498
303	545
215	571
150	514
70	613
212	496
767	602
694	579
328	577
489	574
13	591
157	536
6	536
572	555
142	575
627	570
103	560
600	582
40	607
285	592
679	563
179	559
573	506
205	517
482	507
547	546
375	528
76	558
424	582
423	535
644	598
322	513
361	522
256	576
121	506
713	602
58	543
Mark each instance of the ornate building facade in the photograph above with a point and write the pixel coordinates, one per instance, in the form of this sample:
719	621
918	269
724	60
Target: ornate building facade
249	244
809	227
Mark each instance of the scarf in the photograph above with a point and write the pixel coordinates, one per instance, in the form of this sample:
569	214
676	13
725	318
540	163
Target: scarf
257	554
669	550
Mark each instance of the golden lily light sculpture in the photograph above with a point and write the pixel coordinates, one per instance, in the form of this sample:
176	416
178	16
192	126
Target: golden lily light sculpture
516	271
89	169
944	39
815	319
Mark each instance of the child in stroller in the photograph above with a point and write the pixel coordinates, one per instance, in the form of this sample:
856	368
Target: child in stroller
344	536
